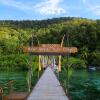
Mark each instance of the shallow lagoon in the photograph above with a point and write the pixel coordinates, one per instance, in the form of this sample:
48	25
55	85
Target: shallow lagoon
84	85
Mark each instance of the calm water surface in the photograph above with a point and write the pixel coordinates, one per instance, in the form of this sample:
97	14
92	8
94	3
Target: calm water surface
84	85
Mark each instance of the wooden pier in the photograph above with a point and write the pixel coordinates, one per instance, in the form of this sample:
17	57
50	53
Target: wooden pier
48	88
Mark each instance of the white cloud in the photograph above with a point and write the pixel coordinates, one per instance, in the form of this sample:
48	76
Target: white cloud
48	7
16	4
84	1
94	8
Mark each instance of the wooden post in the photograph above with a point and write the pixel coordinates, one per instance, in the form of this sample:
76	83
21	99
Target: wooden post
30	73
11	86
2	92
67	83
59	65
59	68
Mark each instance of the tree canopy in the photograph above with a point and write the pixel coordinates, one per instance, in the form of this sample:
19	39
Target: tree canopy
82	33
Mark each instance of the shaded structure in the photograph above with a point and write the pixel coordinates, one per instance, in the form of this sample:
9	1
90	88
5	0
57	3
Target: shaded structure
50	50
48	87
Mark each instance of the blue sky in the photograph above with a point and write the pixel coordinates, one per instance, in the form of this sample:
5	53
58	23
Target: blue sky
44	9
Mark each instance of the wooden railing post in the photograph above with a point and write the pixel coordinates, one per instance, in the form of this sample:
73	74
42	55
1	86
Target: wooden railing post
11	87
2	92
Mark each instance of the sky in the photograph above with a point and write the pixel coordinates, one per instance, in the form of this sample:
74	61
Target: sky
47	9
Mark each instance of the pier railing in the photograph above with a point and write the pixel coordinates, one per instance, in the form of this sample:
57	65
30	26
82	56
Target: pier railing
2	88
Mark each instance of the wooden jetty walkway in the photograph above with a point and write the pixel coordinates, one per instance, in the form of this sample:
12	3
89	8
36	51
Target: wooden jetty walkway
48	88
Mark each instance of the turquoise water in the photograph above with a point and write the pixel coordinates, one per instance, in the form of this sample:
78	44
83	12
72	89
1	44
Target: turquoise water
19	78
85	85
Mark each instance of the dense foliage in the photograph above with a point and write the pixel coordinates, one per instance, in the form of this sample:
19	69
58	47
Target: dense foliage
82	33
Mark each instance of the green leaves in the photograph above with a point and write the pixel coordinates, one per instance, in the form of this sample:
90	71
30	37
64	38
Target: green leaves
83	33
70	72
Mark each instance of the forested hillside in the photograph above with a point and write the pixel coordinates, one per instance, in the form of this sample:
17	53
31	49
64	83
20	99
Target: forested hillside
82	33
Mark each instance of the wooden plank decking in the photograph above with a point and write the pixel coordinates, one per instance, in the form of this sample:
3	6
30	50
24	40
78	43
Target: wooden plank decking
48	88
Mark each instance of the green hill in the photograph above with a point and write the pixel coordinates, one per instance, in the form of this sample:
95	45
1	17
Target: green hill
82	33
